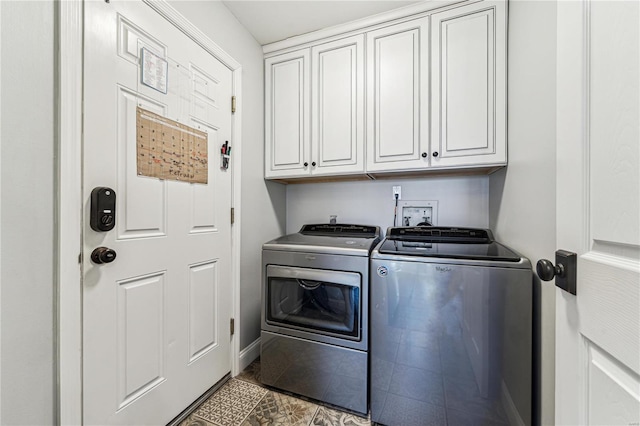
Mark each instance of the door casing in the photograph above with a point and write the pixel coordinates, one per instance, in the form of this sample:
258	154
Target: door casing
69	208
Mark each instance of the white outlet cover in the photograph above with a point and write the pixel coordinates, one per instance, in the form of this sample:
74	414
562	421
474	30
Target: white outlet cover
417	212
397	190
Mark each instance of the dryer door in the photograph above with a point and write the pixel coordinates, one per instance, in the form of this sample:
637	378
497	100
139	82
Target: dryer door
320	301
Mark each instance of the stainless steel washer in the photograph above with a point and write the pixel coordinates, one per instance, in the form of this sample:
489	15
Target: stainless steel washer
314	338
450	328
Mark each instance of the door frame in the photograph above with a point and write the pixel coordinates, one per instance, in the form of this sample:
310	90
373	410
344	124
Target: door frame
572	166
69	200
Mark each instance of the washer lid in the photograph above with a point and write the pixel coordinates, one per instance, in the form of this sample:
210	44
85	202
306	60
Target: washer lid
350	240
490	252
450	243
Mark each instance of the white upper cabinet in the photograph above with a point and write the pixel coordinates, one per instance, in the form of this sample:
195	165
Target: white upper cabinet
435	96
287	114
398	96
468	86
314	110
337	82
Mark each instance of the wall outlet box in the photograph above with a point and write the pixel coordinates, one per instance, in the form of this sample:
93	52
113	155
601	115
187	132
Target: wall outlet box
417	213
397	190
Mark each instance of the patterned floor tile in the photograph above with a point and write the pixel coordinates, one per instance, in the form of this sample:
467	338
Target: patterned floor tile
243	401
279	409
329	417
231	404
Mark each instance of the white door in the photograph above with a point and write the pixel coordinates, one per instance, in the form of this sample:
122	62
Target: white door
598	214
397	96
337	90
155	320
468	85
287	114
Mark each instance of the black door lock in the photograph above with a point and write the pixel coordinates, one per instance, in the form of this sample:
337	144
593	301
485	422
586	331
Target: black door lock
103	209
103	255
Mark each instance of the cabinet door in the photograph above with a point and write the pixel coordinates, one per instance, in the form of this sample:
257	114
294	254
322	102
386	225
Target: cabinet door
469	85
398	96
287	113
337	76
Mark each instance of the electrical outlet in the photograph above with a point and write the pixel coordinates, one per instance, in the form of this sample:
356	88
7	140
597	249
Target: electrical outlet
397	190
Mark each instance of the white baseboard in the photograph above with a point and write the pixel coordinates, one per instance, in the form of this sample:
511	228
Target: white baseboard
249	354
509	407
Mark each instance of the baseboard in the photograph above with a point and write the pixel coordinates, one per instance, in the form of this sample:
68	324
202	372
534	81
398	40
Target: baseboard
509	407
249	354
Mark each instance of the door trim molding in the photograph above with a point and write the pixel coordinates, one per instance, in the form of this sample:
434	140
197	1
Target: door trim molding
69	210
169	13
572	130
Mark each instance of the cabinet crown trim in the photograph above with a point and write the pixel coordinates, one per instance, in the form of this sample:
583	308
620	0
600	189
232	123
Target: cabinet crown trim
360	25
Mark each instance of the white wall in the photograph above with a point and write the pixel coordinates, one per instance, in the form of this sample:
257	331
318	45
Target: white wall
522	198
27	134
462	201
262	212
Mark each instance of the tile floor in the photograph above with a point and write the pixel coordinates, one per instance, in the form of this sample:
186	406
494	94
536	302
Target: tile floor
243	401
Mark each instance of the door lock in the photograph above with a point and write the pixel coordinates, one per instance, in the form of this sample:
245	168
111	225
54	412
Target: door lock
103	255
103	209
564	270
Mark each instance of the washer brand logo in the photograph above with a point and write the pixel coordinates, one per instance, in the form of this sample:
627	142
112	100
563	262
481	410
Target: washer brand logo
443	269
382	271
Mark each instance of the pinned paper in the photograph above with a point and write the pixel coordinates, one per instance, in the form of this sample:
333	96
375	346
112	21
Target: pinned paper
154	71
170	150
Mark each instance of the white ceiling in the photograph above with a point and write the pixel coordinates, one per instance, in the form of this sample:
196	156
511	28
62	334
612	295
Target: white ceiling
270	20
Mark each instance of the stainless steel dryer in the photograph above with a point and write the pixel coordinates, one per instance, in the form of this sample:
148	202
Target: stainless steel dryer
450	328
314	338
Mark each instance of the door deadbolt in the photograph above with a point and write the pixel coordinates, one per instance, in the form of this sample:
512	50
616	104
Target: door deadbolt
103	255
103	209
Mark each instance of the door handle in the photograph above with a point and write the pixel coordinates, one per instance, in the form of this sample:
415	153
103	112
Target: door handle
564	271
103	255
307	284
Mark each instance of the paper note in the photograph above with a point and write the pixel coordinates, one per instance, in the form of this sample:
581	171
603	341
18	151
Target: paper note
154	71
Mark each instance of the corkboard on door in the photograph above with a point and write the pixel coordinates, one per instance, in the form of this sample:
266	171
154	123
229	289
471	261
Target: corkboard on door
170	150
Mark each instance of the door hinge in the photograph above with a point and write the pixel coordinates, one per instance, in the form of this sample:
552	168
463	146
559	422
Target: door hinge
233	215
232	326
233	104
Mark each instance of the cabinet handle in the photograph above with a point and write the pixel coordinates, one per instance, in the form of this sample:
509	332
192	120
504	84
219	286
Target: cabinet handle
435	153
306	164
424	155
313	164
